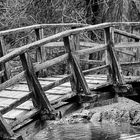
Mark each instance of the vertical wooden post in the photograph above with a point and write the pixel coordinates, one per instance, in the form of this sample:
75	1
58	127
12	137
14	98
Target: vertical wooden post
137	58
79	80
40	100
115	67
40	52
5	66
108	38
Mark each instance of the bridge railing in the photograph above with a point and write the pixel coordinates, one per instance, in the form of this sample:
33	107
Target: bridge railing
76	77
39	34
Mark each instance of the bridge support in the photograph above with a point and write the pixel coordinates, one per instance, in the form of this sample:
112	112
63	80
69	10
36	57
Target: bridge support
39	98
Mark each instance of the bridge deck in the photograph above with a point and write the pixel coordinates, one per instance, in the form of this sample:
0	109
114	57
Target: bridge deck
14	93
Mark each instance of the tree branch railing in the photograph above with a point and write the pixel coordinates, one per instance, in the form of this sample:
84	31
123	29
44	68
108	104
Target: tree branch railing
76	77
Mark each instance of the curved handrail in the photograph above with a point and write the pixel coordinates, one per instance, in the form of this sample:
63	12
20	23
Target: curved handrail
62	34
38	26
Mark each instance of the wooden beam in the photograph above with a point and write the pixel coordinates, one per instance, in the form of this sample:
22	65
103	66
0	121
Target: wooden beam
124	33
94	62
75	68
127	52
127	45
96	69
108	37
16	103
12	81
114	64
39	98
51	62
40	51
4	66
38	26
90	50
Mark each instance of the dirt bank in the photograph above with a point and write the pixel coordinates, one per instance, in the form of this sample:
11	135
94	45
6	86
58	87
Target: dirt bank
124	111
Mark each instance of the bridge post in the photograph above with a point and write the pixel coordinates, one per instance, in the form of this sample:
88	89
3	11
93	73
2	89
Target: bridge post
4	67
78	77
40	100
108	37
40	51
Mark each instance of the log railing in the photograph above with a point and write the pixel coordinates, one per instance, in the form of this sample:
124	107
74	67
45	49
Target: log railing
71	43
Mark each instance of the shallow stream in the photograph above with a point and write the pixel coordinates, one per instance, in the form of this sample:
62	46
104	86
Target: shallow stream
85	131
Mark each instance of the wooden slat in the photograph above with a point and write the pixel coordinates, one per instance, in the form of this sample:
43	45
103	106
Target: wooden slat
51	62
90	50
28	28
124	33
16	103
130	53
114	64
99	62
128	45
12	81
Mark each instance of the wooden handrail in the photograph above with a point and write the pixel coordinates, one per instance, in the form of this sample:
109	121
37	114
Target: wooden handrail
38	26
124	33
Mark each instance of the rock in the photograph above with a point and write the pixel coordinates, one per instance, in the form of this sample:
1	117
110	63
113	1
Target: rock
96	117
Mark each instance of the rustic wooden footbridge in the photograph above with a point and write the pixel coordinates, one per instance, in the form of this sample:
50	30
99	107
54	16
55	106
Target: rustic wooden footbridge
26	96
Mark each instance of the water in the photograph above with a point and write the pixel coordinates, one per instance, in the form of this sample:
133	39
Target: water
83	131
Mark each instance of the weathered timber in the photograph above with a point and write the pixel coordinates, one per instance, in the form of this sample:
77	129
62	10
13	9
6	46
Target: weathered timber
38	26
90	50
124	33
40	51
114	64
39	96
96	69
128	45
51	62
5	129
75	68
80	75
16	103
127	52
96	62
12	81
128	64
108	38
4	66
82	44
57	83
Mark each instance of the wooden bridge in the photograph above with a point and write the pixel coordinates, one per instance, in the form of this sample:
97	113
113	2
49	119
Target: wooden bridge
26	96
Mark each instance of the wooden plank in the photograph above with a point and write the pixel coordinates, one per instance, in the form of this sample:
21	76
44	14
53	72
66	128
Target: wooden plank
12	81
4	66
13	94
108	37
40	98
51	62
124	33
96	69
114	64
32	27
127	45
127	52
5	128
14	103
82	44
90	50
19	87
40	51
95	62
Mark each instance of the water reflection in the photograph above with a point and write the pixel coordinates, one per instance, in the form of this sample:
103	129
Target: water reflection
85	131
